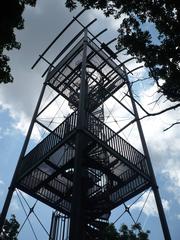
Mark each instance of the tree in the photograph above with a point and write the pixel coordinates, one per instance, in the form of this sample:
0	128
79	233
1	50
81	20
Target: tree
10	20
10	229
158	49
110	232
135	233
124	233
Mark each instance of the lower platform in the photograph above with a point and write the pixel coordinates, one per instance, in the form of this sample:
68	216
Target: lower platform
113	171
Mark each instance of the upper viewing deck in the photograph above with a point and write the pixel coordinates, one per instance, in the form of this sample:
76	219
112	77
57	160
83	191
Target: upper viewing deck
104	76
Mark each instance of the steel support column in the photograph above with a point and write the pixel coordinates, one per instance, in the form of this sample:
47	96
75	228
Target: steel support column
23	151
152	175
77	220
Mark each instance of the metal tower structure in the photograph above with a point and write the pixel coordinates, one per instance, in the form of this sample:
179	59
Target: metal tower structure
83	168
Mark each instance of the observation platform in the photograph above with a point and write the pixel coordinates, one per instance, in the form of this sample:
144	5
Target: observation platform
116	171
105	77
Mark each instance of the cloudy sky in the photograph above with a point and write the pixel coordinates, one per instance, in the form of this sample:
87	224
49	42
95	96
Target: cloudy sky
17	102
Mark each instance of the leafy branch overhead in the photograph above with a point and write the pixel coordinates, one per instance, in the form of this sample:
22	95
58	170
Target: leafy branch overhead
150	32
10	20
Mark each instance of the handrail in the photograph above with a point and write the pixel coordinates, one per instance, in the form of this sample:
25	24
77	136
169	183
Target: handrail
117	143
50	142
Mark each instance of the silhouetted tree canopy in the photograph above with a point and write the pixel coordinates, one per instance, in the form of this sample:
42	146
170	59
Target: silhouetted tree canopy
10	229
150	32
125	233
10	20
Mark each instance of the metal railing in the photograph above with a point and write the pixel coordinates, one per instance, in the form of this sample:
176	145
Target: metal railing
117	143
54	191
48	144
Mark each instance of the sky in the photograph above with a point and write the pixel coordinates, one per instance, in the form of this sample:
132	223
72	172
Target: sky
18	100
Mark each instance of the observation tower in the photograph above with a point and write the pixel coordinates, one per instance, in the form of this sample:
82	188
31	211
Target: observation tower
82	167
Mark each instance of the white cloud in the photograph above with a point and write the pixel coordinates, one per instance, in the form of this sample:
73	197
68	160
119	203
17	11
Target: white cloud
172	175
166	204
25	195
164	146
14	206
1	190
172	171
15	202
150	208
158	141
110	21
1	182
20	121
7	131
20	97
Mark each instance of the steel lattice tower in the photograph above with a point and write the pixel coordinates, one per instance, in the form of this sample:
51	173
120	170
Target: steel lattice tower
82	168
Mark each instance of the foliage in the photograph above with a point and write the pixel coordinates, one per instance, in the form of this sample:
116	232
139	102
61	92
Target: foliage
10	20
135	233
10	229
150	32
124	233
110	232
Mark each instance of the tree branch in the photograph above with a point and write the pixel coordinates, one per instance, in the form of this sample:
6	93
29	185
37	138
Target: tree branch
156	113
171	126
162	111
140	80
